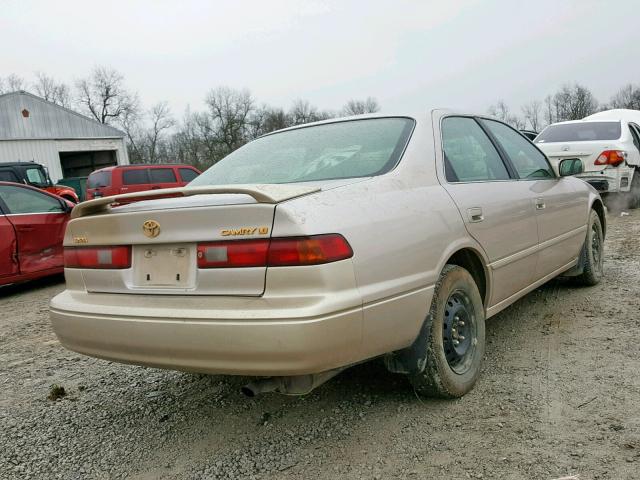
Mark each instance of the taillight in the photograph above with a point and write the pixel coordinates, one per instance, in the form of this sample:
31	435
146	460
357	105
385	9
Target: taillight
239	253
611	157
97	257
276	252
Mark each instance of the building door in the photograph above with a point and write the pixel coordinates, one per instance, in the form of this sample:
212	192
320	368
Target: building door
81	164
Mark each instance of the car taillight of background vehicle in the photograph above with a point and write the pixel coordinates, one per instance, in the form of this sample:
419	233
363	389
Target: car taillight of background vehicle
117	257
611	157
275	252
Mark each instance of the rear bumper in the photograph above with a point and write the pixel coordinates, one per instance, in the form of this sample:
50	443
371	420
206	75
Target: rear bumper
609	180
310	321
250	346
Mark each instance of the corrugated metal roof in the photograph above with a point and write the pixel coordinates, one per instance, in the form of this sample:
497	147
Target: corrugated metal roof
25	116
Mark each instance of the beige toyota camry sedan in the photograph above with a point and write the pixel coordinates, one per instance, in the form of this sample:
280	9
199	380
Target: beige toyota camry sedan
325	245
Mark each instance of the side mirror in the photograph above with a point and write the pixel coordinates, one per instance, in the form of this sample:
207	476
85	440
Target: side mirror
570	166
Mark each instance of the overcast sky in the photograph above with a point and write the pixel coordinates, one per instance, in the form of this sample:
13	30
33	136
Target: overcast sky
407	54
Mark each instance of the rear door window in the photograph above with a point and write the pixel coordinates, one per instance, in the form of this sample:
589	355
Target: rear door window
469	155
634	135
187	174
99	180
8	176
162	175
527	160
135	176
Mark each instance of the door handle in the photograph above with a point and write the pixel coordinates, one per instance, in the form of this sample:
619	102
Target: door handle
475	214
540	205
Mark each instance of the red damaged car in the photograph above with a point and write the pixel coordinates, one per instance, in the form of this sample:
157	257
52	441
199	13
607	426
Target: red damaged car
32	225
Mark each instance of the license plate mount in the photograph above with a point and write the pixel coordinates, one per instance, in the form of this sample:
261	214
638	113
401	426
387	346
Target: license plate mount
164	266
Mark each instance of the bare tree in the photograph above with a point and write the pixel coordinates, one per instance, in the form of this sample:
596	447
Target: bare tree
358	107
501	111
12	83
573	102
531	112
104	95
627	97
51	90
228	117
161	121
303	112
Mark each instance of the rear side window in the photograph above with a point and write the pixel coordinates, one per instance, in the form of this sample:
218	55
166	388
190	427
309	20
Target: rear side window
469	155
8	176
24	200
634	135
580	132
187	174
528	161
162	175
135	176
99	179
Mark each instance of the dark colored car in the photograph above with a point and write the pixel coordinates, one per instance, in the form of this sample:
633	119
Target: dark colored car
138	178
34	174
530	134
32	225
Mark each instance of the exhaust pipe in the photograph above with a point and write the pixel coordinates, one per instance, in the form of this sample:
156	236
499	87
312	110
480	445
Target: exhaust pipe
293	385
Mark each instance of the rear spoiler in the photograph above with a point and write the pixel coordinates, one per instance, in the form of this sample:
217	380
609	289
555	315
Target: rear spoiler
269	193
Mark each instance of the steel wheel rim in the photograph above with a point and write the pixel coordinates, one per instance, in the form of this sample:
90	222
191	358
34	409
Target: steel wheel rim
459	332
596	245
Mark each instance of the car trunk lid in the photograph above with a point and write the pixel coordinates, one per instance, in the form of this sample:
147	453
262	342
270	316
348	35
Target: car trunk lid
587	152
164	234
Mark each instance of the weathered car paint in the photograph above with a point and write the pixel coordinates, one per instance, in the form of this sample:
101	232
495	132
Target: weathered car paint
403	227
31	245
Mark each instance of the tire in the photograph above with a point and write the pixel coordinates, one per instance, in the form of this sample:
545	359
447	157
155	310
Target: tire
634	191
592	254
452	370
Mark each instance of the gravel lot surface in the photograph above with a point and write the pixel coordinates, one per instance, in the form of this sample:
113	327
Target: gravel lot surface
559	396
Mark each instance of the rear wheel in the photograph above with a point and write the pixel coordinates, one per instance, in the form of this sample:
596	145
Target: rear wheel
634	192
455	345
592	252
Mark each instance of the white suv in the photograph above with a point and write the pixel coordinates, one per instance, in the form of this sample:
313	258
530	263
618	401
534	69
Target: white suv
608	144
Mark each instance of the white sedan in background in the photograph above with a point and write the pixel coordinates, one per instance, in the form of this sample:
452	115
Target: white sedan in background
608	145
321	246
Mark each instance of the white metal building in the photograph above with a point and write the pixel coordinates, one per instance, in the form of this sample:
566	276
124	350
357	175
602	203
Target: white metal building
67	143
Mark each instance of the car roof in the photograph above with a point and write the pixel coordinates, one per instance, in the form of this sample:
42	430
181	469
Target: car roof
136	165
623	114
586	120
19	164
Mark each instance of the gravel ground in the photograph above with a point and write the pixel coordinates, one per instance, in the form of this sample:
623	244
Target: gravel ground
559	396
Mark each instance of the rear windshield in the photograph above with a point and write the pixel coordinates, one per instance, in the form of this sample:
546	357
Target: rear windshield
580	132
357	148
99	179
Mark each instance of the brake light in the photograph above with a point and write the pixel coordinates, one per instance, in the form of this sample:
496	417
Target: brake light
97	257
276	252
611	157
240	253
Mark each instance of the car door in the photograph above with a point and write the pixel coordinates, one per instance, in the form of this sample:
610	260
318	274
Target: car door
39	220
560	204
8	251
497	209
